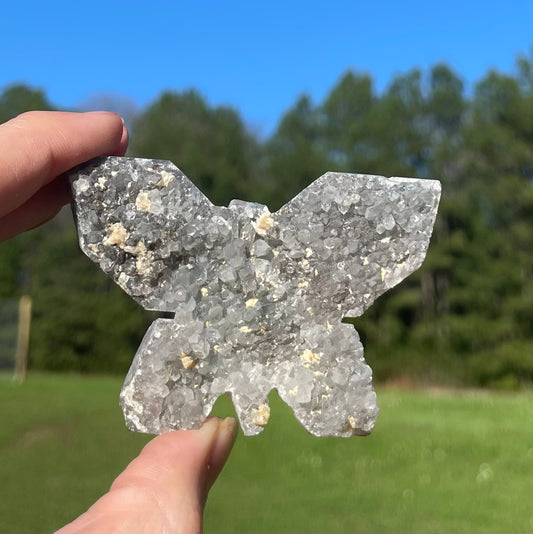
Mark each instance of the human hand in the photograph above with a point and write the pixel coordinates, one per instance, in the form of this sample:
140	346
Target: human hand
165	488
36	148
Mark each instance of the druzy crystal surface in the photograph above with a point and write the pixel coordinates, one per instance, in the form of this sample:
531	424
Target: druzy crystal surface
257	297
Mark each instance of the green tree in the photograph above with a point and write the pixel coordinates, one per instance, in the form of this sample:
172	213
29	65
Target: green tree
14	100
345	120
17	99
210	145
82	321
465	317
295	155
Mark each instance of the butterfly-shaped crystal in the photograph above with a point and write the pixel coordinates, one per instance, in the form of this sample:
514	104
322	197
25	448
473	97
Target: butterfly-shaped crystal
258	298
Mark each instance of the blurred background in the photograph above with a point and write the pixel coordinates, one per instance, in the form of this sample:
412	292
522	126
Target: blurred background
254	100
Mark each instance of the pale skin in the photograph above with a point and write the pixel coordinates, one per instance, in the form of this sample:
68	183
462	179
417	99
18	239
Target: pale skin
165	488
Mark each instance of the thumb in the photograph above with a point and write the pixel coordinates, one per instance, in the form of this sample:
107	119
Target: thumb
164	489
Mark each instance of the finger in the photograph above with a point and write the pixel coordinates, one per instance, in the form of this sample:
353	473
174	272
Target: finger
164	488
40	145
40	208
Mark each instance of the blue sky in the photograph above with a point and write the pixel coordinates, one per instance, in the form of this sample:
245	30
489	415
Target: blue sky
256	56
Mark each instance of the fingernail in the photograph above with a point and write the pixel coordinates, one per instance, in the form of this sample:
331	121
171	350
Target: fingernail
224	440
100	112
209	429
227	432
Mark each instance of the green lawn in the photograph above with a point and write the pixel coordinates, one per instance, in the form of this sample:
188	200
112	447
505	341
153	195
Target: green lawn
436	462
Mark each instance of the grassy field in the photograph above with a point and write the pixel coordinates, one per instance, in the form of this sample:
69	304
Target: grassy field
436	462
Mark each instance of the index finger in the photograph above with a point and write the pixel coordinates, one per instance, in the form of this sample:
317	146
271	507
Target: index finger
39	145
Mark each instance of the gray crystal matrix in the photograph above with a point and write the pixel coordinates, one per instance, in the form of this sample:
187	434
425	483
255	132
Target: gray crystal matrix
258	298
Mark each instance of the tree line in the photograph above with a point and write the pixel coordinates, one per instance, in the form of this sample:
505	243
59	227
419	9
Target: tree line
466	317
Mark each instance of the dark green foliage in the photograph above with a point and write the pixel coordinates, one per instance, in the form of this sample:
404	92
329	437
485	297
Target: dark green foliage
210	145
10	268
19	98
465	317
82	321
472	298
295	155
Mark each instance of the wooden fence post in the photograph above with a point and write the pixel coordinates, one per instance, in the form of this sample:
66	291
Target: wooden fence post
23	338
